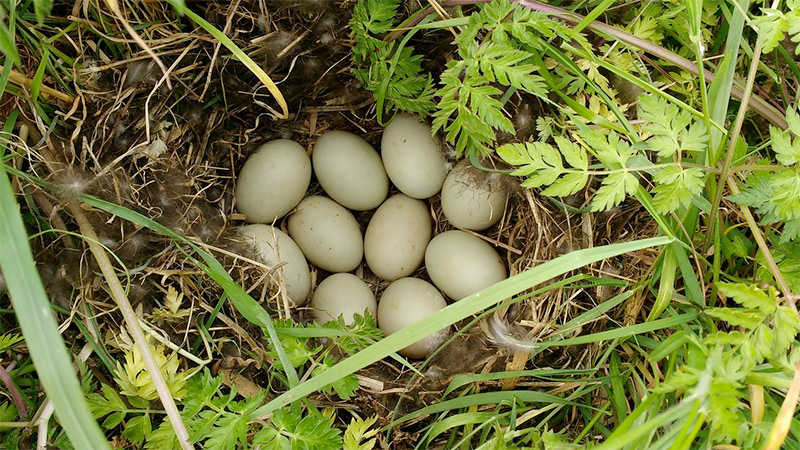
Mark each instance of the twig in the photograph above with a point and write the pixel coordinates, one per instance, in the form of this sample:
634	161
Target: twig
784	420
764	247
21	80
119	296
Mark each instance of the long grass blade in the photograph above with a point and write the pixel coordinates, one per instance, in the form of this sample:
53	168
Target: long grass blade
719	91
458	311
32	308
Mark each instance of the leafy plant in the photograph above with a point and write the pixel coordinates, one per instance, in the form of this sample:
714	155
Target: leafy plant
393	74
135	381
360	435
773	24
350	340
668	132
761	330
499	45
776	194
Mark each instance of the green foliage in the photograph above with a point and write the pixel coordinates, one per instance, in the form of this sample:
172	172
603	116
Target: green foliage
773	24
776	195
173	309
499	45
219	420
394	74
360	435
9	340
541	164
669	133
763	331
292	431
352	338
135	380
673	130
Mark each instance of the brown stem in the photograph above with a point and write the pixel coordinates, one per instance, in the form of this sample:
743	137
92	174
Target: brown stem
14	392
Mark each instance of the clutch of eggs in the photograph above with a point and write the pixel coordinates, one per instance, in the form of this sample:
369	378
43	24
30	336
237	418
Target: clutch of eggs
397	241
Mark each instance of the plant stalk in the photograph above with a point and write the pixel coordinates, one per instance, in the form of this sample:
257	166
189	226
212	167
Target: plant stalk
118	294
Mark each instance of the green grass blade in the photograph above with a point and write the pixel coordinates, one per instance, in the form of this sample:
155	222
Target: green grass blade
484	398
458	311
596	12
241	56
241	300
441	426
178	5
42	8
7	47
624	332
630	432
719	91
32	308
463	379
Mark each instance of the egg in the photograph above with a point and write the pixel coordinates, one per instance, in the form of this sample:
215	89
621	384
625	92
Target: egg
472	198
461	264
277	250
405	302
396	237
350	170
327	234
413	158
342	294
272	181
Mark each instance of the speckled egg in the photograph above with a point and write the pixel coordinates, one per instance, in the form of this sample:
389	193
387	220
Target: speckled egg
461	264
342	294
472	198
276	249
396	237
272	181
350	170
405	302
413	158
327	233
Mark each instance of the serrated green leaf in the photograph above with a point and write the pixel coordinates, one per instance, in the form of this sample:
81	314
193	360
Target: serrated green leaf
311	432
787	150
750	296
162	438
566	185
785	198
785	329
793	119
672	129
137	429
359	436
229	431
113	420
613	190
732	338
771	25
676	186
345	387
735	317
573	153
